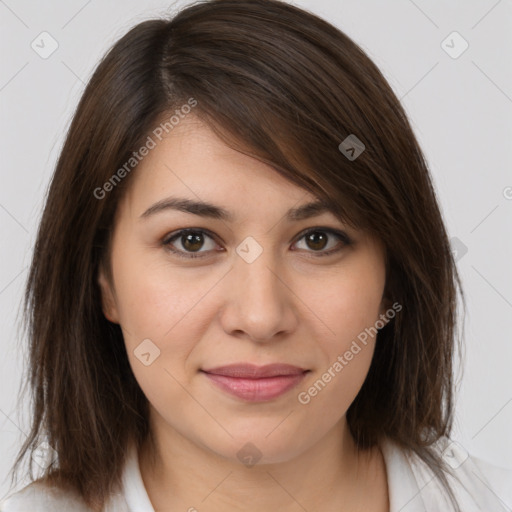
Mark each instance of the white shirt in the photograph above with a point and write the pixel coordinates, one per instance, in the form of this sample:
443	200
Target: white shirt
411	487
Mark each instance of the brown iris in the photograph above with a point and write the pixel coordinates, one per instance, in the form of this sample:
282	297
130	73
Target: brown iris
316	240
192	241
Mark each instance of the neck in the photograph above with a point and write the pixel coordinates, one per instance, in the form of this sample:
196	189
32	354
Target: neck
181	475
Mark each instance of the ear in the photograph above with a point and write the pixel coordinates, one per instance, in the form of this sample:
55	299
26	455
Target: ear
385	305
108	303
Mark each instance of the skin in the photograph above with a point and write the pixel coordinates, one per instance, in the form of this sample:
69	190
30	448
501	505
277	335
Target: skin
289	305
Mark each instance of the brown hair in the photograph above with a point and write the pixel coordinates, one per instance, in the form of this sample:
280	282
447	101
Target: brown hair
285	86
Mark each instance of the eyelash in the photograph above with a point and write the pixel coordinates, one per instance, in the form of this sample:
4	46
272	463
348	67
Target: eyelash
167	241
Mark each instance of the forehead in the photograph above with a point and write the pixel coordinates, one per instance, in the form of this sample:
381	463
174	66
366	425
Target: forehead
191	168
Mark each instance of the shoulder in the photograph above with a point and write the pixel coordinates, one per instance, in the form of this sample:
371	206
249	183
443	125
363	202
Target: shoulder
498	478
477	484
38	497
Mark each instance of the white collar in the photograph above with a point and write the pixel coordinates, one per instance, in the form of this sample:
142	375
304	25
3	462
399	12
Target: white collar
402	484
134	491
411	485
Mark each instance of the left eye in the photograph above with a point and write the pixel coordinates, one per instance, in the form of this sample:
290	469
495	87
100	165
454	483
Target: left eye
192	240
318	239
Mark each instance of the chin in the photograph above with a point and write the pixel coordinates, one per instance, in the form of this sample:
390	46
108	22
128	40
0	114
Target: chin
257	446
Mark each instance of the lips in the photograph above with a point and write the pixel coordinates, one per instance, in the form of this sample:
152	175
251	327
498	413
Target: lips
255	383
251	371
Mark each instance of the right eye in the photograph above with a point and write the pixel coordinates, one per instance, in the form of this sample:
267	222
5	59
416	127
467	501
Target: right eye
191	241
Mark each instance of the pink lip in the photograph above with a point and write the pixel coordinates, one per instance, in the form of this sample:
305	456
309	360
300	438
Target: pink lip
256	383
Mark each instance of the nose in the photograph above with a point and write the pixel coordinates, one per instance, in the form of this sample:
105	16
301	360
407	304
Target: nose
259	303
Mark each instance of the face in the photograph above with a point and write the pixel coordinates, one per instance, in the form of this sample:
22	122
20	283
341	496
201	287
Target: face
256	286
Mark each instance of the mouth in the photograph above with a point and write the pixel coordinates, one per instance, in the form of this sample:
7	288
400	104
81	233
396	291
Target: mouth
253	383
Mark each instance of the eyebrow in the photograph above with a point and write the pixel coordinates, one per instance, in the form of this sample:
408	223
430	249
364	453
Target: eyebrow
205	209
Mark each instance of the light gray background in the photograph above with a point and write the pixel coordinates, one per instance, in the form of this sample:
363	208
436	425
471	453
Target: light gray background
460	109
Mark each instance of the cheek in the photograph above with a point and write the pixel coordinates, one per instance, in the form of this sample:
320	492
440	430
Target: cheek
347	304
168	306
157	319
346	355
330	392
153	297
347	308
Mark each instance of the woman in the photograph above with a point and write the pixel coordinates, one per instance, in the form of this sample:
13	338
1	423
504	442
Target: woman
242	294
